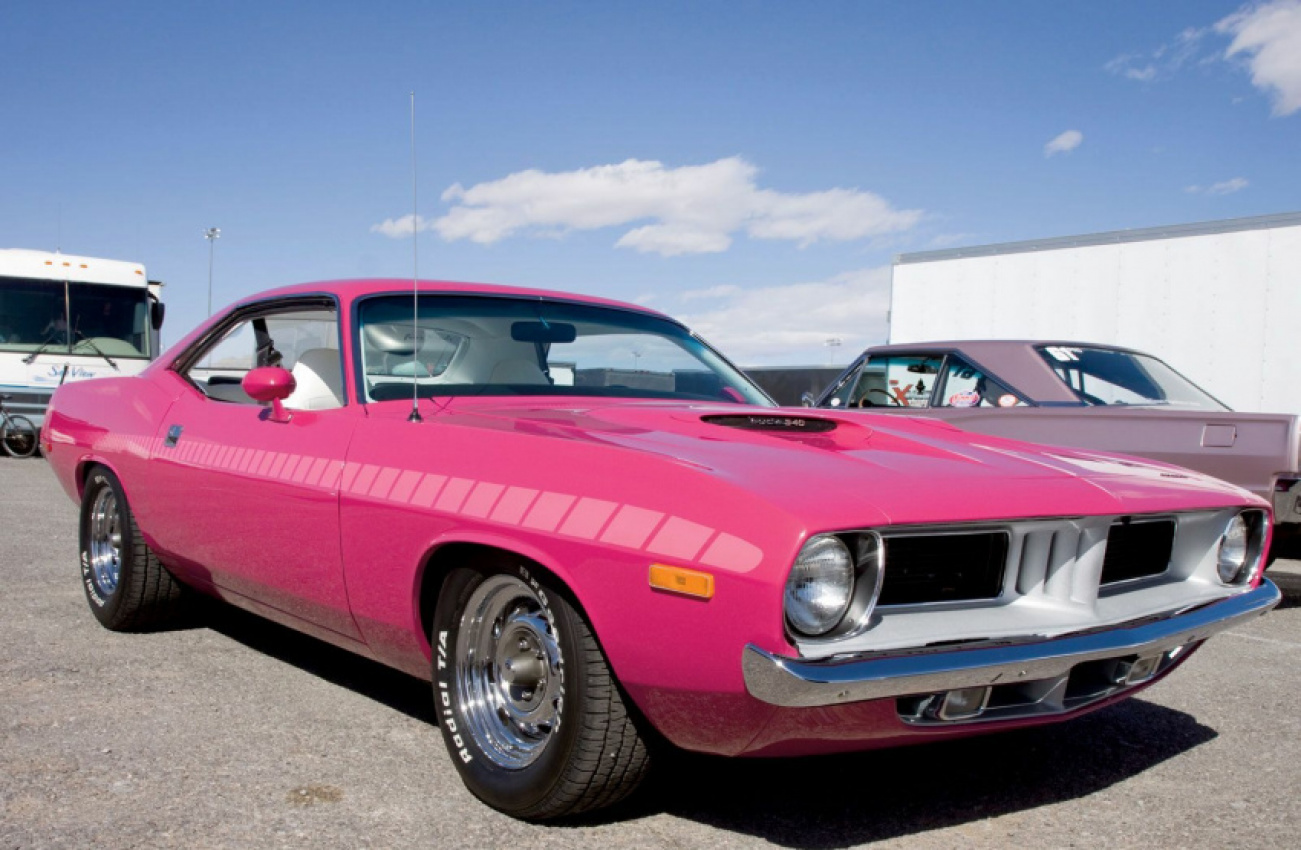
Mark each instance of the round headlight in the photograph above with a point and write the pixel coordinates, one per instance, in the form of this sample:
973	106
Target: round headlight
1234	549
820	586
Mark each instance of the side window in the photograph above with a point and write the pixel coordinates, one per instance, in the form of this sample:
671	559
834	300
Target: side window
306	342
895	381
963	385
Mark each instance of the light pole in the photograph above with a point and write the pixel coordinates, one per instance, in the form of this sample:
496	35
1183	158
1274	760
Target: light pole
832	343
212	234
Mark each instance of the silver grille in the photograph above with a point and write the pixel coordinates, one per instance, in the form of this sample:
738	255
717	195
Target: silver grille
1051	585
1062	563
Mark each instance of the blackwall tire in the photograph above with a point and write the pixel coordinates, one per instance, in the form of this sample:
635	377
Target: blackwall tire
20	437
527	705
128	589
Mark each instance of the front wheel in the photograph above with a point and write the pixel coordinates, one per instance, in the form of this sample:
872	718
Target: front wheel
19	437
528	707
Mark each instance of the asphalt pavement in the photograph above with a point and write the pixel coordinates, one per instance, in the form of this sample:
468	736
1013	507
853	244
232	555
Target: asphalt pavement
234	732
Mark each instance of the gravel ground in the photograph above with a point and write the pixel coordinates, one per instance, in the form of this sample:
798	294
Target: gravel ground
238	733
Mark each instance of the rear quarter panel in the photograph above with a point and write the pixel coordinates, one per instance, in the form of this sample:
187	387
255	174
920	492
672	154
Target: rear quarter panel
1245	449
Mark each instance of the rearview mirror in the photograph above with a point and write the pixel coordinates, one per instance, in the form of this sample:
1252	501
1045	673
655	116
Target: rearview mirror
543	332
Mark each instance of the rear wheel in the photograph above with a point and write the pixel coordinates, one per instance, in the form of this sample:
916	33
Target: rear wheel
127	587
528	707
19	436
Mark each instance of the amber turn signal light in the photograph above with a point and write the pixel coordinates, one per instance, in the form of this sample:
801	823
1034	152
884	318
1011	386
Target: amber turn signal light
679	580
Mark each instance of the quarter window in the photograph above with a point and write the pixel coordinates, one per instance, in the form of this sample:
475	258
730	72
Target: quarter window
966	386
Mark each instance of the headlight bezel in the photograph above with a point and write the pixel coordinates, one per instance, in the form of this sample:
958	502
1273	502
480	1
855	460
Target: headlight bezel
1244	570
866	556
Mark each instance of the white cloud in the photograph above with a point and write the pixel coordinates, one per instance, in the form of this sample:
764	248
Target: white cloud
1264	36
1065	143
1132	66
1269	36
712	292
1227	187
790	325
688	210
1163	62
1224	187
672	240
396	228
948	240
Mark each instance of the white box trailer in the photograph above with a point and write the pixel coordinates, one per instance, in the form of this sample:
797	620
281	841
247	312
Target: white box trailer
1219	301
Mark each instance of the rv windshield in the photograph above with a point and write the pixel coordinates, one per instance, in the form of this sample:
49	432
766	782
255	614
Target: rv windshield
75	318
1106	376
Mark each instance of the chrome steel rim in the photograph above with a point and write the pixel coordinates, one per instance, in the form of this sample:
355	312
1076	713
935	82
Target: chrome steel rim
105	542
509	672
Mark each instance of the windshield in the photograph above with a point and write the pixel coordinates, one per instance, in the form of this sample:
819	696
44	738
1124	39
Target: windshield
78	318
1105	376
468	345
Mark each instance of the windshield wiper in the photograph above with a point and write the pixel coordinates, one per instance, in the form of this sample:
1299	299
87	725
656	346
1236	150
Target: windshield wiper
97	350
29	358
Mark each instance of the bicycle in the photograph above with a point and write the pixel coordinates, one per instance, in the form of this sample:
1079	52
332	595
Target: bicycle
17	433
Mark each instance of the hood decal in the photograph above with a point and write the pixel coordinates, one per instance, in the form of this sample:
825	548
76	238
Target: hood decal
765	422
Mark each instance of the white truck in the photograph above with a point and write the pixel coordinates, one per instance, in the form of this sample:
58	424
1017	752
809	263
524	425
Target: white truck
1219	301
67	318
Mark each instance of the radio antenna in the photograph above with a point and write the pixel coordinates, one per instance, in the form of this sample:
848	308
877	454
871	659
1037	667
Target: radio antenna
415	277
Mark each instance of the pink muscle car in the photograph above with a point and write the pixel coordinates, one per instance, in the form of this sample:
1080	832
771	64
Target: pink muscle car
587	529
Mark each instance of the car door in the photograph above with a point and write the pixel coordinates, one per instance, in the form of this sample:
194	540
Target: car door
243	501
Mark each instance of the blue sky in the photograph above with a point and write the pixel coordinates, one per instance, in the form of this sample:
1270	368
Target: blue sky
750	167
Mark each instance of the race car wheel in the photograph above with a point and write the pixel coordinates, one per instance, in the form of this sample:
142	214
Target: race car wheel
126	586
529	710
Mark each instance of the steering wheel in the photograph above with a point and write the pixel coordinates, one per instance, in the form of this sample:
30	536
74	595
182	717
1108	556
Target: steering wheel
891	401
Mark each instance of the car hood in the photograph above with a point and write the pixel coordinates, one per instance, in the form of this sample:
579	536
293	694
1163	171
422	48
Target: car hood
861	469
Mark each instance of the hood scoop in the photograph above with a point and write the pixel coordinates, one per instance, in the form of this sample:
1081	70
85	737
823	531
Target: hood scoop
780	424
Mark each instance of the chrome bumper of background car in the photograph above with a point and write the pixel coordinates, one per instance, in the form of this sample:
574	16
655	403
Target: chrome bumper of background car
795	682
1287	500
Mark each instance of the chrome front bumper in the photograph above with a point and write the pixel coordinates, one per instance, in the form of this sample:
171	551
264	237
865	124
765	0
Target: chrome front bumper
797	682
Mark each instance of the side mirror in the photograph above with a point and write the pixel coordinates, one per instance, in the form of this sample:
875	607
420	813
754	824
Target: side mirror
807	400
273	384
157	310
